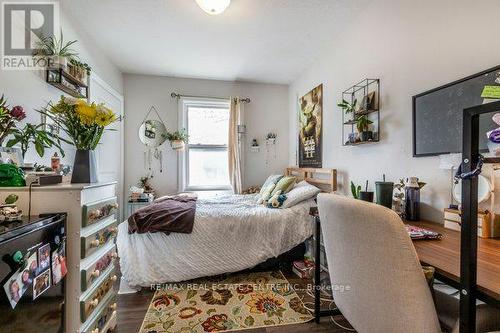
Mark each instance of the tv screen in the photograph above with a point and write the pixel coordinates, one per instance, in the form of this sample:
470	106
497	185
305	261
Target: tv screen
438	113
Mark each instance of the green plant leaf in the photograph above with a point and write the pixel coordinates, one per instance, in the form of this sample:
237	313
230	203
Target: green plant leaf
39	148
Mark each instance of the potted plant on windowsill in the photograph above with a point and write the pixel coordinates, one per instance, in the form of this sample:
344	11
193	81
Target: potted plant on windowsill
178	139
55	51
84	125
363	126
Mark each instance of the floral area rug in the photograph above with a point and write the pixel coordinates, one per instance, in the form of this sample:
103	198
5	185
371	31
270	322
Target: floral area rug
237	302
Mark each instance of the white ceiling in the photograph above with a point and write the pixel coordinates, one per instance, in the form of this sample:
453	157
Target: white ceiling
253	40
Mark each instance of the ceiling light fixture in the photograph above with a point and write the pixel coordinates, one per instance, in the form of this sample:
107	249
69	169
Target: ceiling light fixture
213	7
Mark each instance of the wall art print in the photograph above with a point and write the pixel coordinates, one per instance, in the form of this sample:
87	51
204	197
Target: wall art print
310	128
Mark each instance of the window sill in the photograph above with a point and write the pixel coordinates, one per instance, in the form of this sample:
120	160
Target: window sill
207	194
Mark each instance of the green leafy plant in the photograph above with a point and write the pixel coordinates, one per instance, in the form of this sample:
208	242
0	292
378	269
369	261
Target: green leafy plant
363	123
80	64
346	106
355	190
40	167
36	135
52	46
178	136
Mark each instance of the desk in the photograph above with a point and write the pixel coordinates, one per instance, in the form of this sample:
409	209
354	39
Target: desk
444	255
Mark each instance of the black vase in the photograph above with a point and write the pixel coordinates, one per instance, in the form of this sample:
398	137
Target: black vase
84	167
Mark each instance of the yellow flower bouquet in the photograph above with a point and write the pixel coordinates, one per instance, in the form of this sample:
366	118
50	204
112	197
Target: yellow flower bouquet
84	123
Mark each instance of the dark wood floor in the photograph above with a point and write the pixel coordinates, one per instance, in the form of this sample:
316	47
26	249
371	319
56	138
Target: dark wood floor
133	307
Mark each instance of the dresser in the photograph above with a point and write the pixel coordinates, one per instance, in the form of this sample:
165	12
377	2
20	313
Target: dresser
91	227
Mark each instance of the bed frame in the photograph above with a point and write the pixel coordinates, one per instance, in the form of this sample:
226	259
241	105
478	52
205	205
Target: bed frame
324	179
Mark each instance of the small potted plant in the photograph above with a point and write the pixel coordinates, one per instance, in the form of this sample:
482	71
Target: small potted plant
55	51
79	70
346	106
178	139
363	126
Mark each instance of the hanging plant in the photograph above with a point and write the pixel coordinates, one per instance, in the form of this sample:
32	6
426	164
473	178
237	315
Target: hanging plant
178	139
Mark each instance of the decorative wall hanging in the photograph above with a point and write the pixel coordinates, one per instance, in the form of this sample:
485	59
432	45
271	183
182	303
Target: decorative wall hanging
153	133
270	147
310	128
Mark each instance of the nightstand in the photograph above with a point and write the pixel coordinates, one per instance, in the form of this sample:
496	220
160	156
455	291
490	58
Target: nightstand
133	206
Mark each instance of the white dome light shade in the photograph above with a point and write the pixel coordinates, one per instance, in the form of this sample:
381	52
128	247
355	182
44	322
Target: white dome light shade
213	7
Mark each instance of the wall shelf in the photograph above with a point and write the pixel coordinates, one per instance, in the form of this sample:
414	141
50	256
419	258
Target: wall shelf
365	96
64	81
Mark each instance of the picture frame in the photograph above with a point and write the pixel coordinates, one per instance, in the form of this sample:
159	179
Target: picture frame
311	128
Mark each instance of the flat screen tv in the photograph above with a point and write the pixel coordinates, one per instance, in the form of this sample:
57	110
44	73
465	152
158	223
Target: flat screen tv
437	114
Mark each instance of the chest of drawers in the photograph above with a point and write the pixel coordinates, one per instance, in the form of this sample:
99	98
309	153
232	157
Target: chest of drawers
92	218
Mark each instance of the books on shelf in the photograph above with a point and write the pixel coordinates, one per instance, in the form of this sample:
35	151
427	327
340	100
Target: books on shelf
485	227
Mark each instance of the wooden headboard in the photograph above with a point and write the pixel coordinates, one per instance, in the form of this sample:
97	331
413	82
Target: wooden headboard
325	179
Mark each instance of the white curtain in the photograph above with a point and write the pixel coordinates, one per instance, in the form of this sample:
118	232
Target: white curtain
234	148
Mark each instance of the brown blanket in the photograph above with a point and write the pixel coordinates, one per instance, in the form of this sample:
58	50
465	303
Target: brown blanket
170	214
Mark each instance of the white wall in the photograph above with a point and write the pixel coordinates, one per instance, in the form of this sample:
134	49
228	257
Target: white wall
29	89
412	46
268	111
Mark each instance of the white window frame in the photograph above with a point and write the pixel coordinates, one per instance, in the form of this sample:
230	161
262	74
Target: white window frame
184	104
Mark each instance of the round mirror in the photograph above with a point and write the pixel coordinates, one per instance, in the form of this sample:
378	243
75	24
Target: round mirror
483	190
152	133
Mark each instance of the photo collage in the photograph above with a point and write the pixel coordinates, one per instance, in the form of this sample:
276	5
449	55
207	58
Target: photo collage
41	270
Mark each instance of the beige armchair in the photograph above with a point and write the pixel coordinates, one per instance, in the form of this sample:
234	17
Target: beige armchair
373	262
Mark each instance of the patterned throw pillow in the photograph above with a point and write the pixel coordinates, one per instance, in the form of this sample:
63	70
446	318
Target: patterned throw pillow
284	185
301	192
272	179
266	193
276	201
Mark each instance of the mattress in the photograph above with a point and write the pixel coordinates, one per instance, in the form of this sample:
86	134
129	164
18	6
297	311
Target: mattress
230	233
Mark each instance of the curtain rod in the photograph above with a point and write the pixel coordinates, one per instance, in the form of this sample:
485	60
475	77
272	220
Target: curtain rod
176	95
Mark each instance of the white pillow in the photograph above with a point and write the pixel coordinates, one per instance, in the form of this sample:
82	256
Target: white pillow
302	191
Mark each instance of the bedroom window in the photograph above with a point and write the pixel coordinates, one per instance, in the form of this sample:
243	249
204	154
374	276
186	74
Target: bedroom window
204	163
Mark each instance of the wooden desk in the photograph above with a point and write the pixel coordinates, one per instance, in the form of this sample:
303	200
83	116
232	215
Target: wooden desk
444	255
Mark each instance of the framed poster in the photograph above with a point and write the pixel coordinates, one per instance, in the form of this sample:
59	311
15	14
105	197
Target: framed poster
310	128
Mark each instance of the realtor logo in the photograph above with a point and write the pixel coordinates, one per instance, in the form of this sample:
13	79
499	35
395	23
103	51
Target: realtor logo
24	25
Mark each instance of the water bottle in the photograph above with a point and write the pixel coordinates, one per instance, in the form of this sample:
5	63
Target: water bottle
412	199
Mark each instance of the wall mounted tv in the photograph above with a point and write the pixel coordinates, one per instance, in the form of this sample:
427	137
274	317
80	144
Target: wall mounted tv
437	114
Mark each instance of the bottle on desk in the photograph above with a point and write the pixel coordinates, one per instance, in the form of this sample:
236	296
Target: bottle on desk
412	199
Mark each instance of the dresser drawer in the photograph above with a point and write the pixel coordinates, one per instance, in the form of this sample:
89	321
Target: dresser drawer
96	211
91	300
103	314
94	237
92	271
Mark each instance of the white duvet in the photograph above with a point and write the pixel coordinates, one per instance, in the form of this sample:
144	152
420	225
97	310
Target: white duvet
230	233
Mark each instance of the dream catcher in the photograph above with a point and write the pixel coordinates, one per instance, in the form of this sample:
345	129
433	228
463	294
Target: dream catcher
152	133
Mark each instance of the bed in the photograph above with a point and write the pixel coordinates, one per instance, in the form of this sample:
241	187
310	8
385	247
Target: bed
231	233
